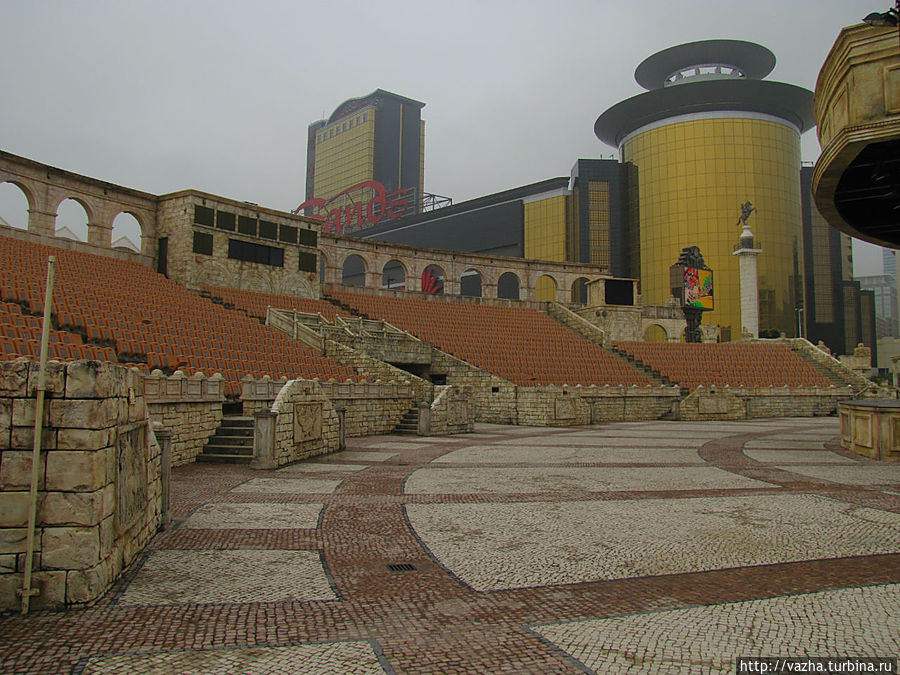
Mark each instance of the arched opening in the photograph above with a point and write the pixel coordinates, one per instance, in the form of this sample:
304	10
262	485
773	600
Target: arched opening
354	272
508	286
126	232
72	220
13	206
470	284
655	333
433	280
545	289
393	276
579	291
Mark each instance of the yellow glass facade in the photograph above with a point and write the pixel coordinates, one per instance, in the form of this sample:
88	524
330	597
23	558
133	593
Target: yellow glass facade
545	228
693	177
345	152
598	221
545	289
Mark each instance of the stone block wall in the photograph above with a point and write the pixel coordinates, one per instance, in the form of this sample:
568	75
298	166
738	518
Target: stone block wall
374	369
629	404
552	407
189	407
370	408
452	412
99	488
712	404
766	402
494	398
306	424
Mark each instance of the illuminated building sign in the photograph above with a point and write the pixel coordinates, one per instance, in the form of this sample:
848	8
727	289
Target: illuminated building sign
342	214
698	288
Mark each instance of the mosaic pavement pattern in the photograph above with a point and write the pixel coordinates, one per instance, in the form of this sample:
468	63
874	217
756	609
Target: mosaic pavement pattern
339	658
647	547
708	639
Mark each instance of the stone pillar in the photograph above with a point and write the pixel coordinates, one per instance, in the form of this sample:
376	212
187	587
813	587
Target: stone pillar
424	428
99	235
264	440
749	283
164	438
342	426
41	222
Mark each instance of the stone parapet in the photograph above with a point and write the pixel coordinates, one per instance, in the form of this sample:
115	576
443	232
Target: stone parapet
871	428
453	411
306	423
99	487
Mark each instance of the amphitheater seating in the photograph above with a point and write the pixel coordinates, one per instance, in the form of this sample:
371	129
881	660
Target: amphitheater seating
254	303
123	312
737	364
519	344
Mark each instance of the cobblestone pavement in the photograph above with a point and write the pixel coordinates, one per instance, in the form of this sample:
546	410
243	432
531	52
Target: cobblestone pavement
641	547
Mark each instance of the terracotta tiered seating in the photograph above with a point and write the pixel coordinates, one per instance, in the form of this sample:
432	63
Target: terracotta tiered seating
737	364
123	312
519	344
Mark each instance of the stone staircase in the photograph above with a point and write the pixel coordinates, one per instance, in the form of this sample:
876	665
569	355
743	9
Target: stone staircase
409	423
232	443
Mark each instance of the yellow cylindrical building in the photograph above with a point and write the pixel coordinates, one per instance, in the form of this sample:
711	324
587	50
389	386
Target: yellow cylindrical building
707	137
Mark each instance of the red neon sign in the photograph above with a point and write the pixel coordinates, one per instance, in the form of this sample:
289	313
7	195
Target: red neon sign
358	215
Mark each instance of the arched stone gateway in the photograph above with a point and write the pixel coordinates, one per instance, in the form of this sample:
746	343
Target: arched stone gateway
354	271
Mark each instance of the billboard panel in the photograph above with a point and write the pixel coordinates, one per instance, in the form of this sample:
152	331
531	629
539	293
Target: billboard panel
698	288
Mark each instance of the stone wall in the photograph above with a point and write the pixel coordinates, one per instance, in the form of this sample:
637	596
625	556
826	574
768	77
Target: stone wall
99	489
763	402
452	412
375	370
629	404
370	408
871	429
176	221
189	407
306	424
552	407
712	404
494	398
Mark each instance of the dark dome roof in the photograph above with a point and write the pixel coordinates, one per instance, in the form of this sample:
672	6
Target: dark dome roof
753	60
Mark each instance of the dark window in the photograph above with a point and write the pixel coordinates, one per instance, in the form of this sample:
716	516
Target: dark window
247	225
308	237
203	215
268	230
256	253
162	256
225	220
203	243
307	262
619	292
288	234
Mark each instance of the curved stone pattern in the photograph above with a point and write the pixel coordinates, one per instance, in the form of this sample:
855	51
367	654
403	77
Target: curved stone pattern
628	547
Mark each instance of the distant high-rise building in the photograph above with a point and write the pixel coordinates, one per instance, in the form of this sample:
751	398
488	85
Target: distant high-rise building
366	163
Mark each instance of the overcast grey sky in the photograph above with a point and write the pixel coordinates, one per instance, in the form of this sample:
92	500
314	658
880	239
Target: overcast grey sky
217	95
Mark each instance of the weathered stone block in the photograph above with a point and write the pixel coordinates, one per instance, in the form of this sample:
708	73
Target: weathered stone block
84	413
52	587
54	378
82	439
94	379
78	471
14	509
71	508
86	585
8	563
70	548
15	469
12	540
14	377
22	438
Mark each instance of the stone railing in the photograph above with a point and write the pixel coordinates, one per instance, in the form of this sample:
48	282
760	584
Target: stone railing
577	324
297	326
579	405
190	408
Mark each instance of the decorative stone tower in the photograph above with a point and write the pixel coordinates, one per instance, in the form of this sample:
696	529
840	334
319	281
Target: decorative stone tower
746	254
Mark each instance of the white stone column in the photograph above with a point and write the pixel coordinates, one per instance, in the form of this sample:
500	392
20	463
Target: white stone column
749	283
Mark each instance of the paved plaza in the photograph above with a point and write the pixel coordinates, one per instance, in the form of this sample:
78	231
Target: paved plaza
641	547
